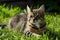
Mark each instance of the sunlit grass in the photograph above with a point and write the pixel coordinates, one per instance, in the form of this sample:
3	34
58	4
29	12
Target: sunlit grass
52	23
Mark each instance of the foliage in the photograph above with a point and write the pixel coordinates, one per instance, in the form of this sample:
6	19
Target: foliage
52	23
6	13
50	5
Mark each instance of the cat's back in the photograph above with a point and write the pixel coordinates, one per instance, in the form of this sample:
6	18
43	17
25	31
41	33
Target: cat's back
22	18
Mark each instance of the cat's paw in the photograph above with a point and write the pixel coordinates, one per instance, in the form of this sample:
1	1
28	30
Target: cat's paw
28	33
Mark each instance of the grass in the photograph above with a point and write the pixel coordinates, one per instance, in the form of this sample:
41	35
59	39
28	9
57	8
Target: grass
52	23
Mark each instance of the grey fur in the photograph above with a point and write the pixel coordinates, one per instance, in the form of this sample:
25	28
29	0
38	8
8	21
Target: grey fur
17	21
27	24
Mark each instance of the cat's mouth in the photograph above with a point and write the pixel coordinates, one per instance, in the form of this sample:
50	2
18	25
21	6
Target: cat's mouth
35	27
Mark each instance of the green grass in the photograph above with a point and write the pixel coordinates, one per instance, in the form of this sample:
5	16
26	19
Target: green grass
52	23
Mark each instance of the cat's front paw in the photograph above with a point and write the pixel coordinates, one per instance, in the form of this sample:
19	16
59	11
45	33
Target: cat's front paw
27	33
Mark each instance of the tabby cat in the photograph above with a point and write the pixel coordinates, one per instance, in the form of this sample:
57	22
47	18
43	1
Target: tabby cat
31	22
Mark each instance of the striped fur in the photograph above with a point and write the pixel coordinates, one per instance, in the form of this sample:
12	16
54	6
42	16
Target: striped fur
32	22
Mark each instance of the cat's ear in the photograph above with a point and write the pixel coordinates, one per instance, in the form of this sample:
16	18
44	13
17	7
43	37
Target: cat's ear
28	9
42	9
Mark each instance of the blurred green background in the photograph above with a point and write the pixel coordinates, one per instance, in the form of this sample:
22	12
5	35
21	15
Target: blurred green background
52	22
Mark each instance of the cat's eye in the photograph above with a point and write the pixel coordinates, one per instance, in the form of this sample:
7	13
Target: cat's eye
31	16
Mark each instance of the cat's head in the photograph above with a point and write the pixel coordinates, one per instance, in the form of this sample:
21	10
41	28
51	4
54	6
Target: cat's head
36	16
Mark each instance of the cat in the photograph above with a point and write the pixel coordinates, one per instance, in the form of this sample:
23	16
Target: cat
31	22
